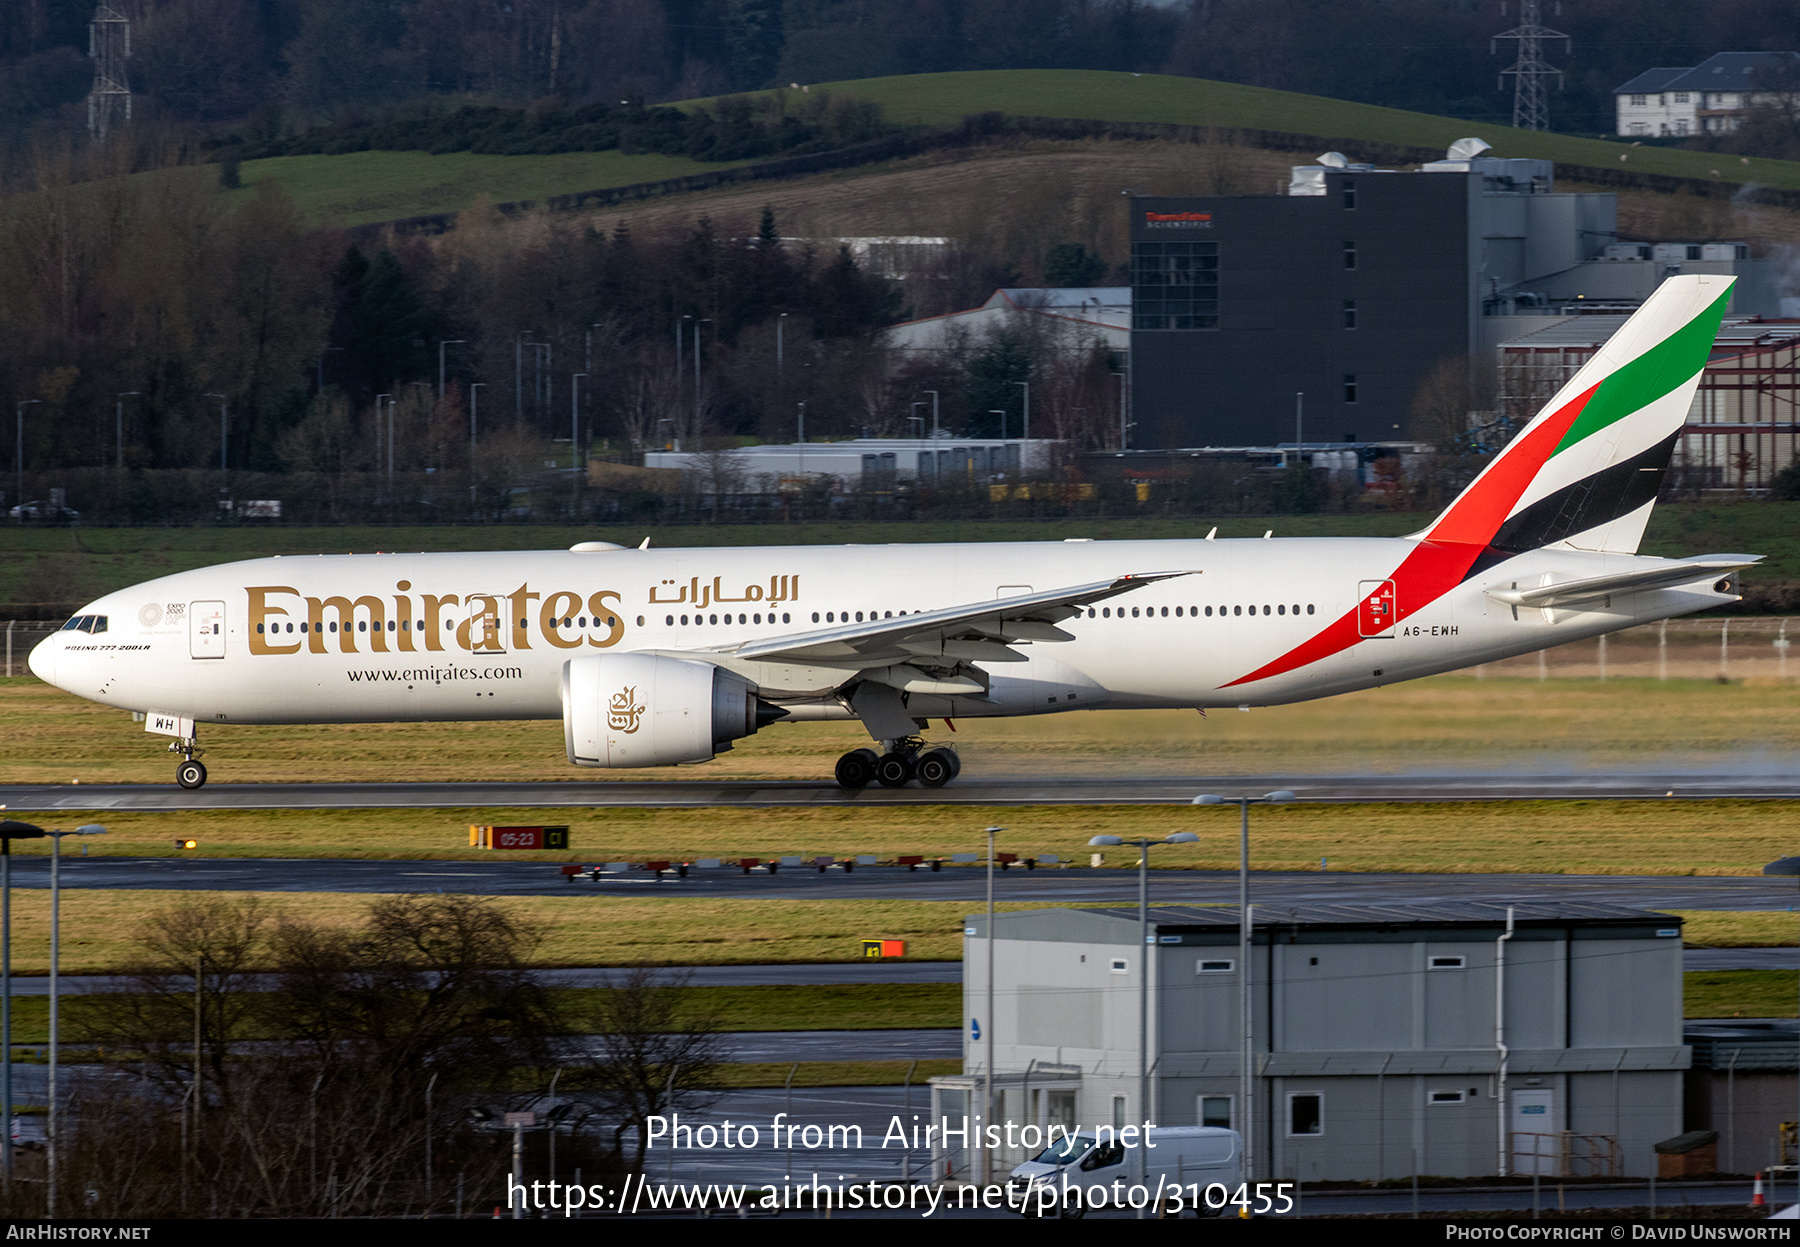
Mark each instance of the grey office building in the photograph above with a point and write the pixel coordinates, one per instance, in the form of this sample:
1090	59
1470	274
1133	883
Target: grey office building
1374	1033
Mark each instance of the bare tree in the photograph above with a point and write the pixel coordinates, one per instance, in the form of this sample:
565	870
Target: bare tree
648	1051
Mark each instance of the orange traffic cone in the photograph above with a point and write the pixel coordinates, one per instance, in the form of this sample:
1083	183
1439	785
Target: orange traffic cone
1756	1195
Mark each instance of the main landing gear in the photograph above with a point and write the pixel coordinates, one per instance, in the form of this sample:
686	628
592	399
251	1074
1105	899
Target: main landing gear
906	759
191	773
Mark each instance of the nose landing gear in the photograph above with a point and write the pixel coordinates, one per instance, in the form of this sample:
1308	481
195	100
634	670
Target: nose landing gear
906	759
191	773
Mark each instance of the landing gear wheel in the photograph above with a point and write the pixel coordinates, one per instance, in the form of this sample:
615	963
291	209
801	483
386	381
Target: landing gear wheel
191	774
856	769
955	763
894	770
936	767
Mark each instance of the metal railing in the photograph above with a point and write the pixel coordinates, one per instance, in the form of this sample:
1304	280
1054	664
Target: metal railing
1564	1154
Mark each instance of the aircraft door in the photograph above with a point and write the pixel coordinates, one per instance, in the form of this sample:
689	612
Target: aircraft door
484	626
206	629
1375	613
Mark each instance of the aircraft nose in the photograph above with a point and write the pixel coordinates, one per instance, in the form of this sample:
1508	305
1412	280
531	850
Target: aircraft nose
43	659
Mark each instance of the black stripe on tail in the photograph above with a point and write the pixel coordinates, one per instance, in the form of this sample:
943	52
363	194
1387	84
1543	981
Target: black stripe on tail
1599	499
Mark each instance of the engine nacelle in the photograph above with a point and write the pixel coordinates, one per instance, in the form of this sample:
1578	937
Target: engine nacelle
625	710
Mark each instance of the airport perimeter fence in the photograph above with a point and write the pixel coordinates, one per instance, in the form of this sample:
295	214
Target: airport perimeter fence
1728	648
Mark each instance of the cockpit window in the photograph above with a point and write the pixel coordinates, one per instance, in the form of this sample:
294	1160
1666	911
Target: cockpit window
75	624
86	623
96	623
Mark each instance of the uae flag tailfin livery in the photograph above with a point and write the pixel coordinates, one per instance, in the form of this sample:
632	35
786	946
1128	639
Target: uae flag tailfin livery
1584	473
667	657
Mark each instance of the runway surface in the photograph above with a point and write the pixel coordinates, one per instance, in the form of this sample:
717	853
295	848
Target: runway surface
1767	783
953	883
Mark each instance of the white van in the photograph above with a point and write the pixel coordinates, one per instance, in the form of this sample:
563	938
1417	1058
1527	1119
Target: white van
1182	1162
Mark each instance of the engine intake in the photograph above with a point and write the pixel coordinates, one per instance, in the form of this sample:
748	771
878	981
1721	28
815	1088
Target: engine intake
630	710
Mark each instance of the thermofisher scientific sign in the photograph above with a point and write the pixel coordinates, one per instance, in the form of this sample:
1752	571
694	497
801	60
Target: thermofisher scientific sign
1178	220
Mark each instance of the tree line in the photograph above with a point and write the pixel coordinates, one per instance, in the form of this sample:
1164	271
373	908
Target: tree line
264	1063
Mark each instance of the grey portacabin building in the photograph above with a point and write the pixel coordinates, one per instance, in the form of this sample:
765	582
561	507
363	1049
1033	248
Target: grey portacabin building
1374	1033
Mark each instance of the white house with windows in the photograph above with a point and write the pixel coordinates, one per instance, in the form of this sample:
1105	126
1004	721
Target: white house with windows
1709	98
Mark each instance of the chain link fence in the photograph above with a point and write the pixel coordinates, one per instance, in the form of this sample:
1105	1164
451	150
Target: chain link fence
21	635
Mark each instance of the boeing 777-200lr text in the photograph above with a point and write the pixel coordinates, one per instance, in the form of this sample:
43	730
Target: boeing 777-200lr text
663	657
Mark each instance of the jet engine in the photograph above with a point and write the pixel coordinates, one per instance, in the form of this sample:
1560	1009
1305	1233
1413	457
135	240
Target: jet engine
627	710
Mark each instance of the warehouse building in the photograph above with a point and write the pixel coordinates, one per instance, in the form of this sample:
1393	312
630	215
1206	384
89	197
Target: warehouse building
1377	1048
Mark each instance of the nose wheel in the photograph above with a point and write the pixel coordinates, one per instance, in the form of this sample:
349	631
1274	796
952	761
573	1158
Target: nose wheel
190	773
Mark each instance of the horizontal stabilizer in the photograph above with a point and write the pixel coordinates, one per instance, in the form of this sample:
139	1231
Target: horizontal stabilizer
1662	576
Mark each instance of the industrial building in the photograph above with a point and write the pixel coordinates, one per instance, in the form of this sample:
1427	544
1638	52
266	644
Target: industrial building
1326	307
1742	1084
1743	427
866	464
1377	1047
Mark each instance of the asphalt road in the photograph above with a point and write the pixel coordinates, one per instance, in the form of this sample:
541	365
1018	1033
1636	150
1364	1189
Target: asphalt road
966	884
1511	785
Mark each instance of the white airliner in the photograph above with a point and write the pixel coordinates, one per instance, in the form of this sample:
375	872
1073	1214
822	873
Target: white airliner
664	657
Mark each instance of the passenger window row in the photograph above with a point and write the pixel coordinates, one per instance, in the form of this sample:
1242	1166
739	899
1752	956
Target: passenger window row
1196	612
670	620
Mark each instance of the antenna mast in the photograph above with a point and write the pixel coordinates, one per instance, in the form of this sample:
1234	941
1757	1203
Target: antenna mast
1531	73
109	44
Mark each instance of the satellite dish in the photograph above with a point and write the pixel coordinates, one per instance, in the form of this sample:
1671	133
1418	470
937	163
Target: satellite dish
1334	160
1468	149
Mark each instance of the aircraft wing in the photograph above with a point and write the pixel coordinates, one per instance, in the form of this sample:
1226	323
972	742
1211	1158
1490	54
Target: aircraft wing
1674	572
977	632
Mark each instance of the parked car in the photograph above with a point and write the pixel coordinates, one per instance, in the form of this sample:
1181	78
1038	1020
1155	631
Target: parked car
41	510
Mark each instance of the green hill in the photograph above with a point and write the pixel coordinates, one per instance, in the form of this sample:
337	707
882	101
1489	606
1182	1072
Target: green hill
1091	95
365	187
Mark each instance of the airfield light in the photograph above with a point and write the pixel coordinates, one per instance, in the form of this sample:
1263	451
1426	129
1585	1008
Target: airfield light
187	844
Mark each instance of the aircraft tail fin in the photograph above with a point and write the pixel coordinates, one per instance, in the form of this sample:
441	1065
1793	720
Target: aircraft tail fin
1585	472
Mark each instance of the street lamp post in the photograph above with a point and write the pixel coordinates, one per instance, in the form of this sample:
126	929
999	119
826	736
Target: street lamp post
1025	386
474	410
379	407
987	1066
1144	946
50	1131
1001	412
575	432
10	830
934	410
1246	922
19	457
222	427
702	321
442	343
119	422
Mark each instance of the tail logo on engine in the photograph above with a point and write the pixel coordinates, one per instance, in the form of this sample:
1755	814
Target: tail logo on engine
623	712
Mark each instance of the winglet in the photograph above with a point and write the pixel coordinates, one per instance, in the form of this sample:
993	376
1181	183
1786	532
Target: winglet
645	545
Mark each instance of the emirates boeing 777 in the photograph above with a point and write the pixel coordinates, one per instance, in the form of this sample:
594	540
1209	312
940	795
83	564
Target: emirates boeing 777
664	657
